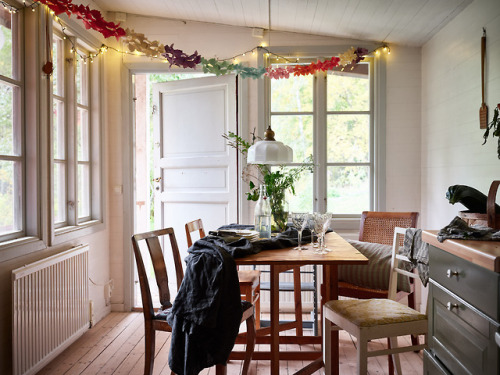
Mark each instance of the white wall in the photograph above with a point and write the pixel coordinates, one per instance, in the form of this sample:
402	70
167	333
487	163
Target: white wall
403	129
451	98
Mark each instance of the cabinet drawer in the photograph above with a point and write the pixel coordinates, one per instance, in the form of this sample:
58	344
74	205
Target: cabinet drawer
432	366
476	285
462	338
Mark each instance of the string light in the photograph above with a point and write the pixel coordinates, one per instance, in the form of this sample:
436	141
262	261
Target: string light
104	48
11	9
385	48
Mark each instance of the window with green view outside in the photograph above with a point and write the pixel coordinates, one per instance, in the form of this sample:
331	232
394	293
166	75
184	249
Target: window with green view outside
329	116
11	157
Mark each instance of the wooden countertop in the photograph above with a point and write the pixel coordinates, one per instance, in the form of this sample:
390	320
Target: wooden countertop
483	253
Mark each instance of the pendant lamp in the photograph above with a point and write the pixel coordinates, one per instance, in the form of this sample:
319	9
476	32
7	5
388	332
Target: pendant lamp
269	151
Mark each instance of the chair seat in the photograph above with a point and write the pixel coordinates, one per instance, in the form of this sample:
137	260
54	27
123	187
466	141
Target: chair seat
374	312
249	277
162	314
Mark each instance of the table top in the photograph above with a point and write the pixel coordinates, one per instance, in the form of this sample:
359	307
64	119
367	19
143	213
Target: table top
342	253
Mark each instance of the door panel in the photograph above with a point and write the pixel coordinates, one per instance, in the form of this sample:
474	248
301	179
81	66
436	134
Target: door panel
197	170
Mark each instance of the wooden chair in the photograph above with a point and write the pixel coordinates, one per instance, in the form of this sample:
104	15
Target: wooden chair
157	321
369	319
249	280
378	227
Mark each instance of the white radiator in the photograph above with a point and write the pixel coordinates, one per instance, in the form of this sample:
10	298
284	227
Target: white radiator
50	300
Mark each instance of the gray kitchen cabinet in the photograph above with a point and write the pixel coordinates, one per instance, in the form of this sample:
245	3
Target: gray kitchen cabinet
463	308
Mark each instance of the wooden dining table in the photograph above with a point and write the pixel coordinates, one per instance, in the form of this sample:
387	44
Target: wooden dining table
281	260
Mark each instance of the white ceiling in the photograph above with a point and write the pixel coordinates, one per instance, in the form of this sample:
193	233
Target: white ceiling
404	22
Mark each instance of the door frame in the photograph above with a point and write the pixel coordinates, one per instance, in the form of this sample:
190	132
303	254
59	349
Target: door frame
128	140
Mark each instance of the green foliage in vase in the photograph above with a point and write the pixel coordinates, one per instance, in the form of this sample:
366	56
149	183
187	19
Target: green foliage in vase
277	181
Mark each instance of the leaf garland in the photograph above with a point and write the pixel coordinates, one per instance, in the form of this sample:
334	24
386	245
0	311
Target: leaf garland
92	19
139	43
179	58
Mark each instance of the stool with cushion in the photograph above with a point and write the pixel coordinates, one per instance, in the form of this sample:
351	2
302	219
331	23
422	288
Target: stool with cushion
368	319
249	279
156	321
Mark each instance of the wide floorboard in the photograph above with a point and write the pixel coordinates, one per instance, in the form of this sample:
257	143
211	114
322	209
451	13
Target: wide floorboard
116	346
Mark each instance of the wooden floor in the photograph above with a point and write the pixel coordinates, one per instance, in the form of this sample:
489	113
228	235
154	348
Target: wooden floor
116	346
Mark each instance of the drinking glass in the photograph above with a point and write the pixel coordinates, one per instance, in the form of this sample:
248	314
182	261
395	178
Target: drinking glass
328	225
299	221
319	226
312	225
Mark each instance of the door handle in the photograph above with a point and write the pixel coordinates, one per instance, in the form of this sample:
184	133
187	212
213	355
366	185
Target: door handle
157	179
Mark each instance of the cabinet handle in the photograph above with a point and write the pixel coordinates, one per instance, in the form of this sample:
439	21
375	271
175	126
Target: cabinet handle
451	273
450	306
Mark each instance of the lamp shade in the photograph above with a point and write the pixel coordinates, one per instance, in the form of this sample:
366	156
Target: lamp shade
269	151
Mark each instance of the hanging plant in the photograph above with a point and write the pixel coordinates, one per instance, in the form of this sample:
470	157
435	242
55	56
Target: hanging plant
494	127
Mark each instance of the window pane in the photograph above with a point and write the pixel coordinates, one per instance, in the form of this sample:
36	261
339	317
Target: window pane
294	94
58	61
302	201
59	192
7	138
83	190
58	130
348	138
296	132
83	135
349	91
10	196
348	189
82	80
6	52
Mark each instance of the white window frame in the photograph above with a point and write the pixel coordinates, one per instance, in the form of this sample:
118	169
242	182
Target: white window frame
18	156
377	125
76	226
38	231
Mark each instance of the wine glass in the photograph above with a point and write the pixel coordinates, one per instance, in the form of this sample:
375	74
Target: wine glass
328	225
319	226
312	225
299	221
319	221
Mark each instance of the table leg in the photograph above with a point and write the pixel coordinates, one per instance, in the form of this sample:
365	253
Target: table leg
275	319
330	280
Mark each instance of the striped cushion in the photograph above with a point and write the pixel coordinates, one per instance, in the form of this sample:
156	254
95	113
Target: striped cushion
376	273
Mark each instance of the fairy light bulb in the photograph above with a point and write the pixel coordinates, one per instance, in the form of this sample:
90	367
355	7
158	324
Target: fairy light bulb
377	52
385	49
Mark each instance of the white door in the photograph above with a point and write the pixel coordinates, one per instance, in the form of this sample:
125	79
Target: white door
195	170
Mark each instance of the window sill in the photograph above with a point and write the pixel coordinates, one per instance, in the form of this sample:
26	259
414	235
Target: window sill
20	247
72	232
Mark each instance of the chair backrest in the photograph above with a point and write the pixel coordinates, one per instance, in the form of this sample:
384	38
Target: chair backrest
397	262
192	226
152	239
378	227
